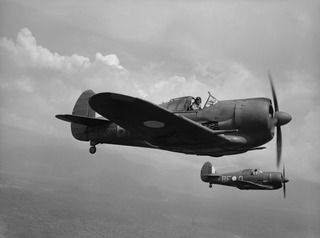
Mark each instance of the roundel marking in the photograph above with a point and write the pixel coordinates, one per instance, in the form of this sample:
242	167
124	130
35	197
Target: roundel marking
154	124
234	178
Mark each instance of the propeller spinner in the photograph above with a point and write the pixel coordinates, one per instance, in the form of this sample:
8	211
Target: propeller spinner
279	119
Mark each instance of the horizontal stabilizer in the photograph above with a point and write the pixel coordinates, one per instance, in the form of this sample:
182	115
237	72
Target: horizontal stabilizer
212	175
88	121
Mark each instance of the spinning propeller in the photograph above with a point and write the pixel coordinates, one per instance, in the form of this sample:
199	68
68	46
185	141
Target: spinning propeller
284	181
279	119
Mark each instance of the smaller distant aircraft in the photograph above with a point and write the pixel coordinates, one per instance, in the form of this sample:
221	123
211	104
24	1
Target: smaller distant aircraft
245	179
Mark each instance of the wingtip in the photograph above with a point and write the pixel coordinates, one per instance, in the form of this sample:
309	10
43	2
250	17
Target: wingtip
59	116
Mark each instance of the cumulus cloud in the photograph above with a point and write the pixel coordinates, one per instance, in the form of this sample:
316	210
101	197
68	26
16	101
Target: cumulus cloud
111	60
37	81
26	52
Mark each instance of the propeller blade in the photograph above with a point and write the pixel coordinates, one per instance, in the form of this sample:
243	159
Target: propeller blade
275	120
274	96
284	181
279	145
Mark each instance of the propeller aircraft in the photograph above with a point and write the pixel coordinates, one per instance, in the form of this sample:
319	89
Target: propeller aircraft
218	128
253	179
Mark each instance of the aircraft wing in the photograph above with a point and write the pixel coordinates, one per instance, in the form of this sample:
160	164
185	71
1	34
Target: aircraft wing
246	182
152	123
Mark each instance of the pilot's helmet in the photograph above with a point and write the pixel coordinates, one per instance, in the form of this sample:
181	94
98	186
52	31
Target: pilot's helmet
198	100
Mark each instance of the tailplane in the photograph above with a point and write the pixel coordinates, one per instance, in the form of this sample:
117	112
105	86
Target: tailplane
82	120
82	117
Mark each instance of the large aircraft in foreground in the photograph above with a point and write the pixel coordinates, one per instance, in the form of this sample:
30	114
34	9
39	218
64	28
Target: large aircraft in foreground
253	179
218	128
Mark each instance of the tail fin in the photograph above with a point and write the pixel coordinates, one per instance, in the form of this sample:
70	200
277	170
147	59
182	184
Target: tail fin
206	170
82	108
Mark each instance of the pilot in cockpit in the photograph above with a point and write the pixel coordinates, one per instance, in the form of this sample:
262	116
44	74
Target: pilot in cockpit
257	171
196	105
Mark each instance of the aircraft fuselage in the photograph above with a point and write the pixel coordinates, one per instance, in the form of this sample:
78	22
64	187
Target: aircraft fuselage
250	117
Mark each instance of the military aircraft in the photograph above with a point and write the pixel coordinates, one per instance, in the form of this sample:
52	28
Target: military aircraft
245	179
218	128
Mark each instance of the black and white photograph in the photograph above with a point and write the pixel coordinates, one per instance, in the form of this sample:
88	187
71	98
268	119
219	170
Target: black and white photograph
159	118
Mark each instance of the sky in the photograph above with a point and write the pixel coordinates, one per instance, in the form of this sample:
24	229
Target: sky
51	51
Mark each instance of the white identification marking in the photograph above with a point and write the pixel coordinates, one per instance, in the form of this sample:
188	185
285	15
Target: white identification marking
225	179
234	178
154	124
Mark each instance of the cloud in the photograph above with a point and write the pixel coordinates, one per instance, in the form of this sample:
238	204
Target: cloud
27	53
36	82
219	77
111	60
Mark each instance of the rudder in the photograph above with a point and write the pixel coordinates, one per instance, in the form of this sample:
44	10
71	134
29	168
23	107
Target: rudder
82	108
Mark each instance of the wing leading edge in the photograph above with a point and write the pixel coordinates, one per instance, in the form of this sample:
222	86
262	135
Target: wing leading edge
151	122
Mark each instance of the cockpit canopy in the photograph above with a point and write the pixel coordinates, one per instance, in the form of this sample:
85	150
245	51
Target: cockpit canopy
251	171
178	104
184	103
